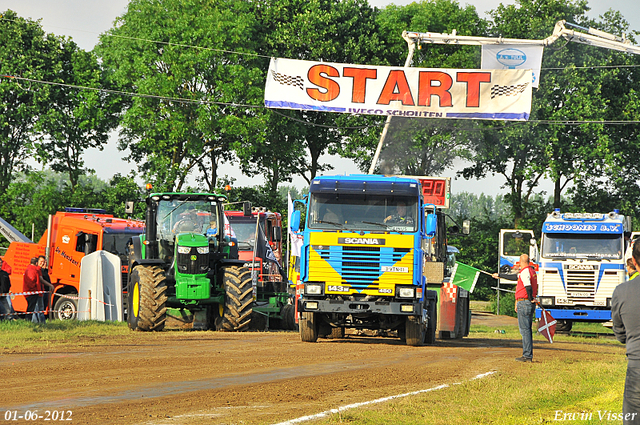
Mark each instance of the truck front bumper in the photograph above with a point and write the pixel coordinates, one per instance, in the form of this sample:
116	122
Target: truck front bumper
409	307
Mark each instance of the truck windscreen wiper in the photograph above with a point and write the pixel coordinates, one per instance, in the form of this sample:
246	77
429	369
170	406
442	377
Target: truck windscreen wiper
330	222
374	223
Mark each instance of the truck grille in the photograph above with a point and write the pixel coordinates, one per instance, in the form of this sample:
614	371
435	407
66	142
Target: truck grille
581	285
186	265
361	265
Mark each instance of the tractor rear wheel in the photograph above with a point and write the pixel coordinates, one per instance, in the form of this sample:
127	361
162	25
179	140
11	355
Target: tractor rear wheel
309	327
415	331
238	299
147	310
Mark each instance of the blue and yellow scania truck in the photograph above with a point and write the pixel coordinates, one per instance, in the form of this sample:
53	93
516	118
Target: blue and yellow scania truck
373	256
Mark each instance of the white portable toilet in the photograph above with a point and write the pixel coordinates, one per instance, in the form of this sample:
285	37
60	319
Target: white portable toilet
100	287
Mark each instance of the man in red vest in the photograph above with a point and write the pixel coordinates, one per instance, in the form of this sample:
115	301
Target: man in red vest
526	292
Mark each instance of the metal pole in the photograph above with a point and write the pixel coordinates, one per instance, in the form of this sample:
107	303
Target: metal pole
407	63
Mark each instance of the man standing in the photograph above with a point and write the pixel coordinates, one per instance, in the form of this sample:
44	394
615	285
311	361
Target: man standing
526	292
6	310
625	314
31	283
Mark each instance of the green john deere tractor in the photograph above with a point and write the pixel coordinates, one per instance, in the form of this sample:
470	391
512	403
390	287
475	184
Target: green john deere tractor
185	260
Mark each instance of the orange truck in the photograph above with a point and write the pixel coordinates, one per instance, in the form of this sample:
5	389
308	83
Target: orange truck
70	235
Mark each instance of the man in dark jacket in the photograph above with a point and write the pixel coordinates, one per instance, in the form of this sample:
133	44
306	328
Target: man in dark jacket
6	309
625	314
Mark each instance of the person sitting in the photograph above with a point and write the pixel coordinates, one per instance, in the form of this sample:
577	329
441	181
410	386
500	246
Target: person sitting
401	216
213	228
188	223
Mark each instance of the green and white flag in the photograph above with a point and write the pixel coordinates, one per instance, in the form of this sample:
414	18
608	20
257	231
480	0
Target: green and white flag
465	276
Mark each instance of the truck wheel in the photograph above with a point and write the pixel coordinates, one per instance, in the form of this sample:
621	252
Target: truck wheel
432	324
238	299
308	327
66	308
564	326
415	331
147	310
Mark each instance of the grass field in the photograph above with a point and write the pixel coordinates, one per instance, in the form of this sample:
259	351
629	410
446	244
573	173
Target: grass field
576	390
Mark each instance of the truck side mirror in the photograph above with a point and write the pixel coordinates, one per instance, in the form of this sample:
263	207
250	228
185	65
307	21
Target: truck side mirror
277	234
128	207
294	221
466	227
246	208
432	225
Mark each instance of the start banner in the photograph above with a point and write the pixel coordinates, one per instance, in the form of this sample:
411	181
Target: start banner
498	94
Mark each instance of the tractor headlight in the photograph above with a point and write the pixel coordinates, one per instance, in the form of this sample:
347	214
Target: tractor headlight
184	249
313	289
203	250
405	292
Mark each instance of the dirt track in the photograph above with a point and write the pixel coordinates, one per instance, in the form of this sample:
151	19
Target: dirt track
183	377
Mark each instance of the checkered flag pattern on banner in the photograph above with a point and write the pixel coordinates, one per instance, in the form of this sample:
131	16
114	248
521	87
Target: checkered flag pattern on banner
287	80
508	90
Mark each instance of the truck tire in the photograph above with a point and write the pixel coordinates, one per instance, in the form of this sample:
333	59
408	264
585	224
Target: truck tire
432	324
415	332
564	326
147	310
66	308
238	299
308	327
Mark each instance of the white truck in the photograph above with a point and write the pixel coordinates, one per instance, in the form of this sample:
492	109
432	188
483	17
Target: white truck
580	263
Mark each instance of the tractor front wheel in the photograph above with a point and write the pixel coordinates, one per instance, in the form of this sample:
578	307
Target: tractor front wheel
238	299
147	309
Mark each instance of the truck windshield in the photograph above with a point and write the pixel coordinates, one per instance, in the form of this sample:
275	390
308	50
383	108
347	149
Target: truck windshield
245	230
185	216
363	212
571	245
115	241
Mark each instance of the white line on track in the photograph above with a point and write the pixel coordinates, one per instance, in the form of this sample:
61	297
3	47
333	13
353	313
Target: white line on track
378	400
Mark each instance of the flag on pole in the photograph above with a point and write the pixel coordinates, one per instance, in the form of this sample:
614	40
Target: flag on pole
465	276
547	325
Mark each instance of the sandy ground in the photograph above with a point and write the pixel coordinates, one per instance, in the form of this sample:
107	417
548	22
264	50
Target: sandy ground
186	377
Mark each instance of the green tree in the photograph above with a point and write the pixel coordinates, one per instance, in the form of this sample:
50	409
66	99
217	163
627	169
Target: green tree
26	52
78	119
327	30
569	91
184	119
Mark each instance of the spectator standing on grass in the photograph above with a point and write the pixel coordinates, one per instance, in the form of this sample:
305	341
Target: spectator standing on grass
31	283
6	309
526	292
46	282
625	314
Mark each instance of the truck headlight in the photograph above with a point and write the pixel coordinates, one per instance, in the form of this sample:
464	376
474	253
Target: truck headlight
547	301
313	289
184	249
203	250
311	305
405	292
406	308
